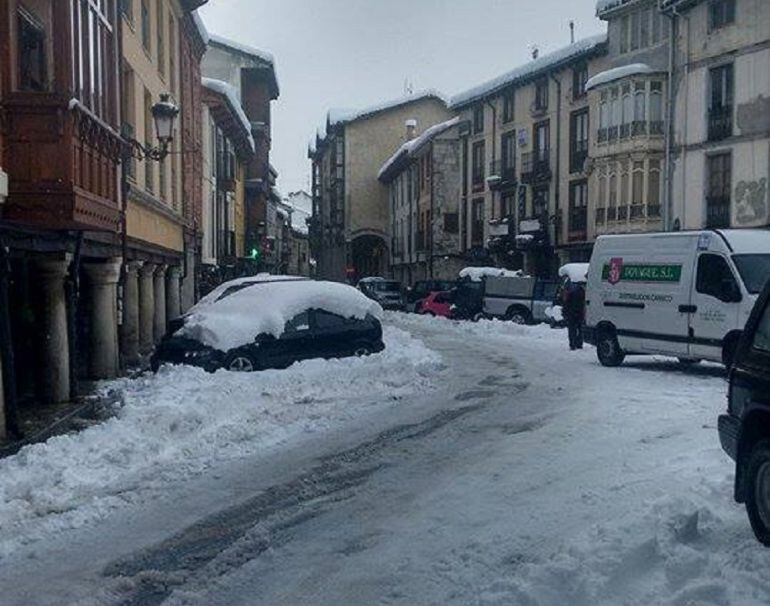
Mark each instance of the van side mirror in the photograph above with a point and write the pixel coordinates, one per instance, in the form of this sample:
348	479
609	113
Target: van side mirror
729	291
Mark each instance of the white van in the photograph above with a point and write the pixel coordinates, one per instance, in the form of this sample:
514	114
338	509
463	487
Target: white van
682	294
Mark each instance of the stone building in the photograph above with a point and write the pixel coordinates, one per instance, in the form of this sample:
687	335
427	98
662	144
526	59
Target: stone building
424	182
524	150
228	147
300	207
350	231
629	138
252	73
721	85
157	40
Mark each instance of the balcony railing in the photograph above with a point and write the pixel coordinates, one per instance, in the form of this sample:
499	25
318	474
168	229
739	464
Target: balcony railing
717	212
501	174
601	216
654	211
612	213
720	123
622	213
637	212
536	166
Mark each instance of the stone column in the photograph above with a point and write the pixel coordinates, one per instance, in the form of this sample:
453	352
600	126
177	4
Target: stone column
173	293
54	376
129	335
103	361
159	317
2	402
146	307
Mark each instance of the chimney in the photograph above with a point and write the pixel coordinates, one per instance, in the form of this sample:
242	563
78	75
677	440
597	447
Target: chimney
535	52
572	32
411	129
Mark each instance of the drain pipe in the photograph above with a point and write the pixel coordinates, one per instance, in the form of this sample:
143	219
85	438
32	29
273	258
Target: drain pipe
557	169
668	179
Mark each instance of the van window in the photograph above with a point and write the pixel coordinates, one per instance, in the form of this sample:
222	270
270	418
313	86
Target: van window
762	338
713	273
755	271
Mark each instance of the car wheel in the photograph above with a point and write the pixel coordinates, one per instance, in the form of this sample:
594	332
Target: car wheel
758	491
608	350
362	350
240	362
518	316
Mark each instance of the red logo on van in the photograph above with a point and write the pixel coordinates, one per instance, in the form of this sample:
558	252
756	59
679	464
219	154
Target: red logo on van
616	271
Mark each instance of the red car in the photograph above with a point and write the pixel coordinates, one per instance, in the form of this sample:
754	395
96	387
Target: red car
437	304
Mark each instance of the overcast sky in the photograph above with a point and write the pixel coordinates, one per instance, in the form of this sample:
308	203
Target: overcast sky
356	53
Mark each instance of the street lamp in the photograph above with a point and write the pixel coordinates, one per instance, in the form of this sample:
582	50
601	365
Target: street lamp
164	114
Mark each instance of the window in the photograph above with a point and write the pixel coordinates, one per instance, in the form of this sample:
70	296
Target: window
509	155
509	101
172	52
578	140
542	142
624	191
451	223
615	114
719	168
762	336
478	119
32	53
637	190
579	79
146	25
656	108
720	118
479	157
625	29
507	204
540	201
641	29
541	94
578	206
640	109
465	167
653	189
715	278
755	271
326	321
604	118
160	29
635	42
477	224
627	111
721	13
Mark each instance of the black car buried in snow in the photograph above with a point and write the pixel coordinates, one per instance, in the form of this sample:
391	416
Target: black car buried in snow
312	332
745	430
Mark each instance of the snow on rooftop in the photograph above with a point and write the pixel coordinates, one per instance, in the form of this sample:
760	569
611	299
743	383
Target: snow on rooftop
243	48
265	309
411	147
477	274
602	6
229	92
339	116
611	75
529	70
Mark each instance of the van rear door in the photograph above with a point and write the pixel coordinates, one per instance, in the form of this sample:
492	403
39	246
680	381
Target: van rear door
716	305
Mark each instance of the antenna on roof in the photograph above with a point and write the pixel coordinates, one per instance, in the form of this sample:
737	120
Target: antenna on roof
571	32
535	50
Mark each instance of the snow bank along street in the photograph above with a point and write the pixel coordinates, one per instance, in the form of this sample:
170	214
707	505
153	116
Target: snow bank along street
467	464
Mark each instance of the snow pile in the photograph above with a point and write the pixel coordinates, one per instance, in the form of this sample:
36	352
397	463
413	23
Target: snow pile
182	421
618	73
411	147
477	274
201	27
555	313
265	309
229	92
530	70
576	272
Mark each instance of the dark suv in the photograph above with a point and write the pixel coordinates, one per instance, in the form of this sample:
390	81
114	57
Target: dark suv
745	430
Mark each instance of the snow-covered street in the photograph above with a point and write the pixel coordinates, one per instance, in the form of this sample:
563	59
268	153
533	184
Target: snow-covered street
467	464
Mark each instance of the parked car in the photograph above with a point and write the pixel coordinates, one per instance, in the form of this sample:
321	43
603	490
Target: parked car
422	288
273	324
744	430
437	304
388	293
682	294
522	300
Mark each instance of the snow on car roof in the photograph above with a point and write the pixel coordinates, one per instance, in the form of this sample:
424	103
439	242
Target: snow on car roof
215	294
576	272
237	319
477	274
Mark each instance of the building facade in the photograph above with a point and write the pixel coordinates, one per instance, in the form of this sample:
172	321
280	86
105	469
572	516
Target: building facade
525	146
228	148
300	205
350	230
252	73
721	131
424	189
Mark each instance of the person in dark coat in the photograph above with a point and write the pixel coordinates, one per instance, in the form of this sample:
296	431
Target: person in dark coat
574	313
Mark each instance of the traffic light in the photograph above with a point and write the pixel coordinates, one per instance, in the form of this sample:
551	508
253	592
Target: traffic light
255	254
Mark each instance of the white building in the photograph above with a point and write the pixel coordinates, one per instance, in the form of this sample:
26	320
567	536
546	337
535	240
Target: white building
721	78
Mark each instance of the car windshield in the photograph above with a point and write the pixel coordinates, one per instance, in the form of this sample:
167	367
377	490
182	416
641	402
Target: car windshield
385	286
755	271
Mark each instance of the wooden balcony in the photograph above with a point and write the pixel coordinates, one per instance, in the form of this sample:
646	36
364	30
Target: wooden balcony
63	163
